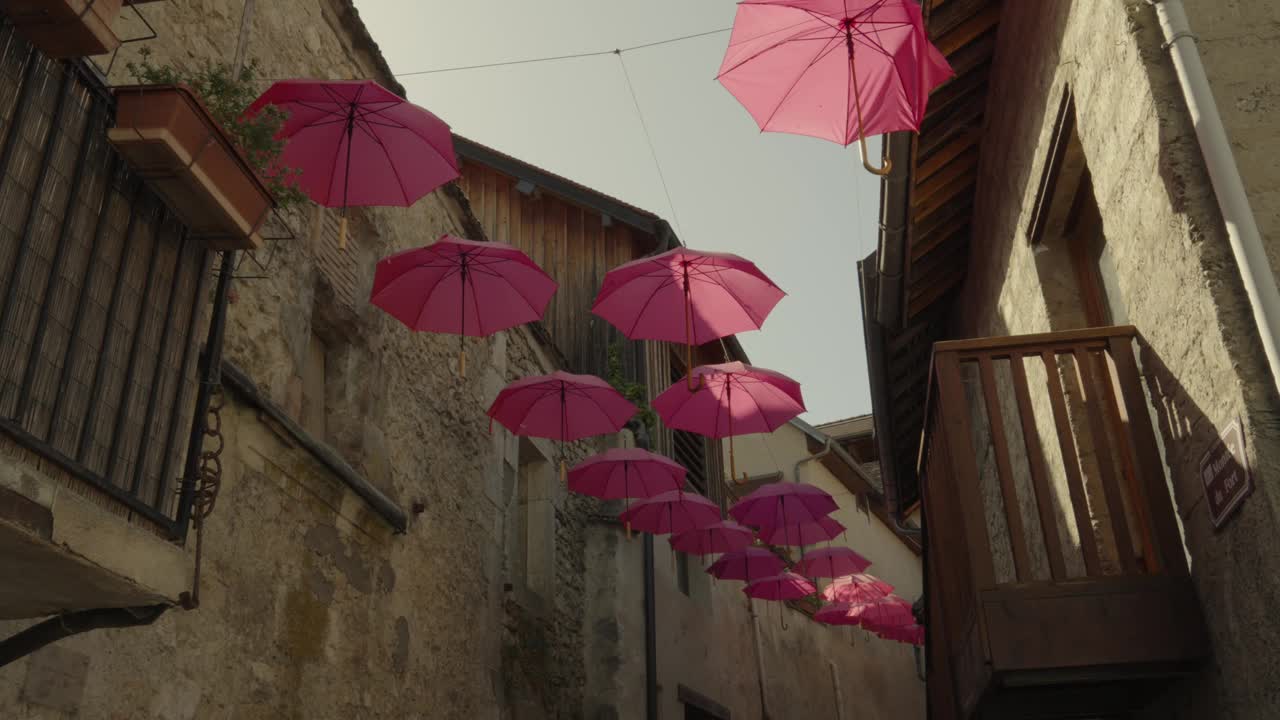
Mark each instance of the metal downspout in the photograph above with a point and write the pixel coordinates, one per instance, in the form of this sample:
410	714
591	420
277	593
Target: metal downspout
1224	175
825	451
641	435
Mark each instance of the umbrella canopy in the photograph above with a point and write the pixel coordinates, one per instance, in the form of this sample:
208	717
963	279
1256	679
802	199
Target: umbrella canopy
784	586
781	505
462	287
561	406
730	399
910	634
746	564
359	144
840	70
721	537
674	511
887	612
686	296
826	528
836	613
831	563
858	587
626	473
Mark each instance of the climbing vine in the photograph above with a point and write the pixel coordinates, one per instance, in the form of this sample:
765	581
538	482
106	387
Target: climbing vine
632	391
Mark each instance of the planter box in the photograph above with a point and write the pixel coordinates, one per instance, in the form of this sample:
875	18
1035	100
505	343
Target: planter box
66	28
165	133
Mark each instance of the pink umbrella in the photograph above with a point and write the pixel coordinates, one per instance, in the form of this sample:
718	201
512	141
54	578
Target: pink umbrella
910	634
809	67
747	563
686	296
784	586
836	613
783	505
359	144
561	406
674	511
826	528
462	287
831	562
765	400
721	537
624	473
856	588
887	612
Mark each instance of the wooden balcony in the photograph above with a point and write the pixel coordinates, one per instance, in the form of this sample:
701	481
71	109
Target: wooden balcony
1057	583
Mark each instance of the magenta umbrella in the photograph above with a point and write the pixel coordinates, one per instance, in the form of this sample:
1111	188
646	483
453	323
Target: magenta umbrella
783	505
686	296
910	634
359	144
674	511
811	67
462	287
887	612
858	587
747	563
731	399
561	406
831	563
624	473
836	613
721	537
784	586
826	528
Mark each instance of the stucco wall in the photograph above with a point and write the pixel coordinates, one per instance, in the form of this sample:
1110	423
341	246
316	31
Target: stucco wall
1174	270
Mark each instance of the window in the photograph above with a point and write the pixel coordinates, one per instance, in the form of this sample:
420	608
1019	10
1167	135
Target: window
689	449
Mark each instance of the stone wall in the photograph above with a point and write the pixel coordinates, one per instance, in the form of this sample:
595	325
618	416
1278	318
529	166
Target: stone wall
311	607
1179	283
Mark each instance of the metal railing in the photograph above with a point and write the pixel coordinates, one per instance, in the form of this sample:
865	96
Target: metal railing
101	293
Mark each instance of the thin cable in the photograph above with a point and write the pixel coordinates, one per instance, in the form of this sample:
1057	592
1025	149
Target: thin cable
675	217
571	56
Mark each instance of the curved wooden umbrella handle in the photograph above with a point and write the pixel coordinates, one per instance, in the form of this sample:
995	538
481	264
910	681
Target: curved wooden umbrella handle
866	163
857	105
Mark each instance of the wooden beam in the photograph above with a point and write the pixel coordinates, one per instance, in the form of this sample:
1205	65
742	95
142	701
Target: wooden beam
964	33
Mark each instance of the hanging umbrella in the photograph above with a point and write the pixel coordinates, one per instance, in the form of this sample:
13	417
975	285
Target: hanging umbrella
731	399
561	406
887	612
721	537
836	613
746	564
783	505
359	144
810	533
462	287
686	296
674	511
856	588
831	563
784	586
910	634
625	473
811	67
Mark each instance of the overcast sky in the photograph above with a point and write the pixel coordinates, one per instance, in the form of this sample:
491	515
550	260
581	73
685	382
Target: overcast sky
801	209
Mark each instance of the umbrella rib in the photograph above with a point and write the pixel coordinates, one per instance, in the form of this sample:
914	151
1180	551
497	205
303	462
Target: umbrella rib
392	164
774	46
475	302
818	58
759	322
427	300
645	307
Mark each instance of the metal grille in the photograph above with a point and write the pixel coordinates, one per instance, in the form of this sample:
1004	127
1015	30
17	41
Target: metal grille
100	292
689	449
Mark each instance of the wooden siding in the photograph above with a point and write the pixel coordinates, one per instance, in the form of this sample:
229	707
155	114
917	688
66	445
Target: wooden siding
574	246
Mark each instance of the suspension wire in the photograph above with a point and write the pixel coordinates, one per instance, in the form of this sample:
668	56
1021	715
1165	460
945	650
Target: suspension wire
675	217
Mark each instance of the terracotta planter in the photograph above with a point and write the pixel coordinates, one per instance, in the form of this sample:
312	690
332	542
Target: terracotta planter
165	133
66	28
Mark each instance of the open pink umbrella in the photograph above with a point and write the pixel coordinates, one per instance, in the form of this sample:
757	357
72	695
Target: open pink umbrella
359	144
910	634
721	537
674	511
731	399
887	612
784	586
811	67
686	296
859	587
747	564
810	533
624	473
831	563
836	613
462	287
783	505
561	406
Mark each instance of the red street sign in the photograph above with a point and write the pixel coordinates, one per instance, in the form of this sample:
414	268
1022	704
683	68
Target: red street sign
1224	470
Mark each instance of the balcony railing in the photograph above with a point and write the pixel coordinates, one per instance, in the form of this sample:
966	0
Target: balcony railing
1054	557
102	293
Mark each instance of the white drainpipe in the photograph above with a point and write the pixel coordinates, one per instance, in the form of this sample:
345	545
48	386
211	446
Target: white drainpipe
1233	201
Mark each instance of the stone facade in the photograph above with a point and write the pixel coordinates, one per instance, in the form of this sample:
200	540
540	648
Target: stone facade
1174	279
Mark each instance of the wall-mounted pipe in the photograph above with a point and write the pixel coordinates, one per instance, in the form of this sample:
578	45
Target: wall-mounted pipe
825	451
641	435
1224	174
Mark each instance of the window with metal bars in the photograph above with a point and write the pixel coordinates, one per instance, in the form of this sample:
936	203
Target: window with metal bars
689	449
101	293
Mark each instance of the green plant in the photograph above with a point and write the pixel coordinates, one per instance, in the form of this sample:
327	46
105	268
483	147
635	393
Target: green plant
227	93
633	391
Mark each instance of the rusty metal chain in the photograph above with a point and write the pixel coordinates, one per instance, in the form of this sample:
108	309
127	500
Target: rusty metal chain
205	497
